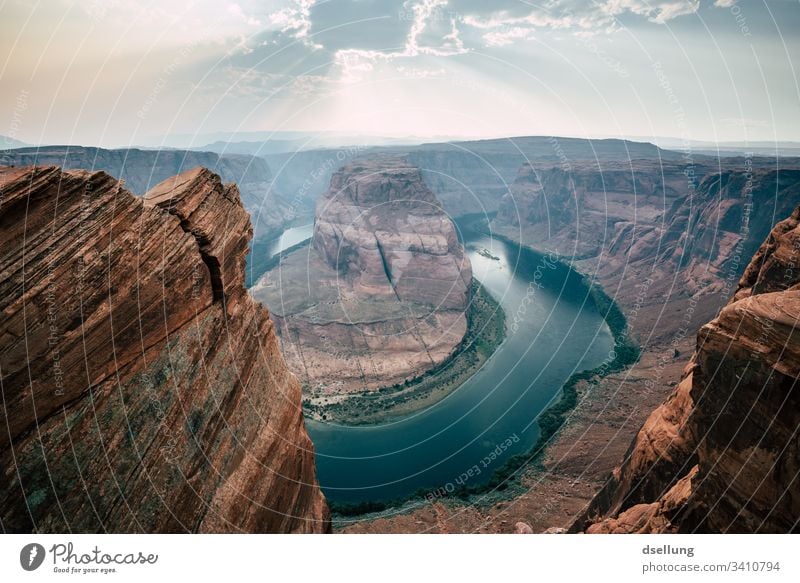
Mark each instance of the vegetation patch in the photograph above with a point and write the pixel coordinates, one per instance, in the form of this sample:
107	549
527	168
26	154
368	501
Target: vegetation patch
486	328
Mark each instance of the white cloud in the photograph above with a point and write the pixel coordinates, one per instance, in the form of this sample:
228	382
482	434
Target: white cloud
426	12
296	21
355	63
724	3
577	16
427	16
506	36
659	12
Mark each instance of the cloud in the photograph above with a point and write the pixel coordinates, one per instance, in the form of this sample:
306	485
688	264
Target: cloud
354	63
659	12
433	32
499	38
295	20
427	14
502	27
724	3
237	11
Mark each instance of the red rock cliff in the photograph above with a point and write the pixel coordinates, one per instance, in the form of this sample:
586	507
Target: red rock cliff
143	388
722	453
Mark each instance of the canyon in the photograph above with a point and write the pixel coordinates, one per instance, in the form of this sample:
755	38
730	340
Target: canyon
381	295
467	177
668	240
650	219
144	390
669	237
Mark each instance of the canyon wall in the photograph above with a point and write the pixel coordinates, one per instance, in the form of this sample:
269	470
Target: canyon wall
656	234
381	295
141	169
472	177
144	390
580	209
721	454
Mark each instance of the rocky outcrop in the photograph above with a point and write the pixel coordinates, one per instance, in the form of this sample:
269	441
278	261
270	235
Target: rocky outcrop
663	237
142	169
381	295
722	453
144	390
709	234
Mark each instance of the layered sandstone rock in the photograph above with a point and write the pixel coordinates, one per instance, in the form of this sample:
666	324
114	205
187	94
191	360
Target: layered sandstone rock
142	169
722	454
144	390
381	295
651	218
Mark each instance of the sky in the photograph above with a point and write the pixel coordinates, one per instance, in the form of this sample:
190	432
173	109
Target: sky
124	72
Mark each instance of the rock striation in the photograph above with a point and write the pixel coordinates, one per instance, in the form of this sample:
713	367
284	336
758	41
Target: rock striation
721	454
144	390
651	218
381	295
269	211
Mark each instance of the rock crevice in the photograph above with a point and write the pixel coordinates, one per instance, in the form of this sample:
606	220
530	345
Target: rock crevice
135	400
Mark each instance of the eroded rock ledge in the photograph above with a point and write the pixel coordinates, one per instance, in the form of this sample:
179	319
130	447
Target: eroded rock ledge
381	295
144	390
722	453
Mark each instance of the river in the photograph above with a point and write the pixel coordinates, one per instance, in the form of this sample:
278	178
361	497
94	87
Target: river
553	330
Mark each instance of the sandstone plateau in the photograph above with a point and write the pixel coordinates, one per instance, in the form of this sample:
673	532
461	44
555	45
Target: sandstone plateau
381	295
144	390
721	453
